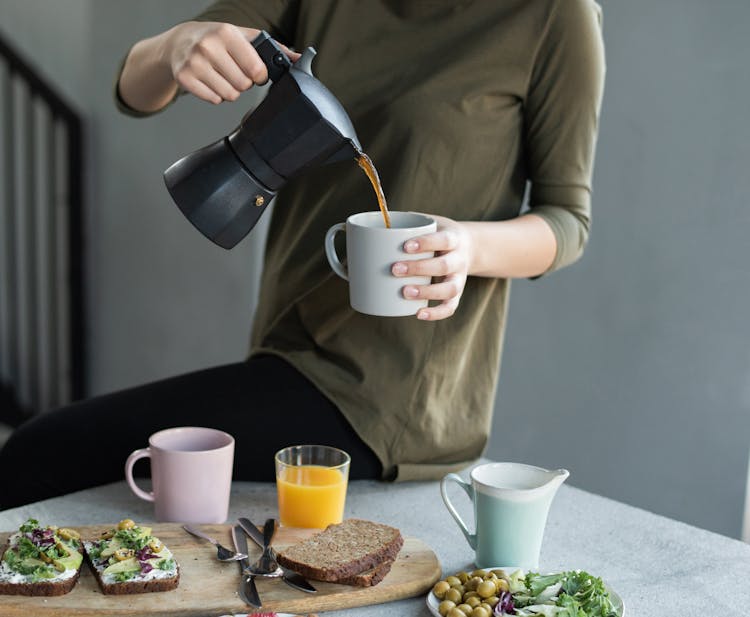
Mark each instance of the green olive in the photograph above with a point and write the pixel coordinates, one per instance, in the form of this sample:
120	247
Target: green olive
473	582
455	612
470	594
492	601
445	606
472	601
465	609
121	554
68	534
486	589
502	585
463	577
440	588
453	581
487	607
479	573
454	595
500	573
480	611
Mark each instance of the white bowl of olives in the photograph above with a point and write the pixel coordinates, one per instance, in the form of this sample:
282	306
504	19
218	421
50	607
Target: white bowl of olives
469	594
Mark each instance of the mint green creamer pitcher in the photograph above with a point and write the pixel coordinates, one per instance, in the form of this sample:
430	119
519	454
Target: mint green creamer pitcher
511	503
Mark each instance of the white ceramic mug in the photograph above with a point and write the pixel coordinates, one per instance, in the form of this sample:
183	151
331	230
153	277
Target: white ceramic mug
371	251
191	474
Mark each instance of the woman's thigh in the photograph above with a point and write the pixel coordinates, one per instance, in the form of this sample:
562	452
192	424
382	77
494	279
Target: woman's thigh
265	403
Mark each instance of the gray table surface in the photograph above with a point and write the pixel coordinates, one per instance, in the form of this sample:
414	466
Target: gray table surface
660	567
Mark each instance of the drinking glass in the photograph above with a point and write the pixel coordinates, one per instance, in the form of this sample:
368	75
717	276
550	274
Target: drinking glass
311	482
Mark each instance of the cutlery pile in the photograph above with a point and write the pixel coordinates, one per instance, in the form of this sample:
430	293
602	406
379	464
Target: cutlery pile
265	567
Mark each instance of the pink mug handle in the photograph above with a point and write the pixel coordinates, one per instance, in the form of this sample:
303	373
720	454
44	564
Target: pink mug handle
135	456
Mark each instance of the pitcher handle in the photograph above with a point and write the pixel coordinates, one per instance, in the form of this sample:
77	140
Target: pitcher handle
471	538
333	258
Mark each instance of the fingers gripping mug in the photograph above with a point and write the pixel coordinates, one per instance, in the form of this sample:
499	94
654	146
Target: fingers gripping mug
191	472
371	251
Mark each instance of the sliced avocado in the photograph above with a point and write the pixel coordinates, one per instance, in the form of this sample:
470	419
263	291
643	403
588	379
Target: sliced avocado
71	562
31	562
112	546
126	565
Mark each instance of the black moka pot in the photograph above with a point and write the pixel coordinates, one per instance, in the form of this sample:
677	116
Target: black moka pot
224	188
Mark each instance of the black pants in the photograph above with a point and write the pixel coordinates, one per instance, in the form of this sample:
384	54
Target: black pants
265	403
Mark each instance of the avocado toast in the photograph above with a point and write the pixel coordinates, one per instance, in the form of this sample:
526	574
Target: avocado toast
128	559
40	561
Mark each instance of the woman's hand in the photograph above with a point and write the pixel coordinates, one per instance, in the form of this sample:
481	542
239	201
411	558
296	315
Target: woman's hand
216	61
453	247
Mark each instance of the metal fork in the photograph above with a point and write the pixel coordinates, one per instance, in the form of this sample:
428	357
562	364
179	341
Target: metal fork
222	553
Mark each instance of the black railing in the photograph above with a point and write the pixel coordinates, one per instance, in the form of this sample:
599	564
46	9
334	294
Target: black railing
42	361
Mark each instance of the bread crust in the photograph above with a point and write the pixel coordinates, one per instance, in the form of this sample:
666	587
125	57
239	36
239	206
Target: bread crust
40	588
369	578
133	587
330	555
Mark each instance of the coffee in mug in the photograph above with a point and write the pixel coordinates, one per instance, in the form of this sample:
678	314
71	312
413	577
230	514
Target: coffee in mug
191	474
371	250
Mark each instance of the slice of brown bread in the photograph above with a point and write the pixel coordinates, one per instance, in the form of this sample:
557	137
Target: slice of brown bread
131	587
38	588
368	578
343	550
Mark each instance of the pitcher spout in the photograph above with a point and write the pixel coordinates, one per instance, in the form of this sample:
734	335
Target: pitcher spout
560	476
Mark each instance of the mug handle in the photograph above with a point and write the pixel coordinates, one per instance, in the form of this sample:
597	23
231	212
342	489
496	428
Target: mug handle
135	456
333	258
471	538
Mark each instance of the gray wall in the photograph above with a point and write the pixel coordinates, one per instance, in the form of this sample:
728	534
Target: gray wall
160	299
632	368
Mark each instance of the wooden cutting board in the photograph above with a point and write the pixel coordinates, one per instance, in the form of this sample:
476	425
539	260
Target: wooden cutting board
209	587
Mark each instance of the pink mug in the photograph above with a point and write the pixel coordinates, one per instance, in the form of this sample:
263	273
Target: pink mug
191	474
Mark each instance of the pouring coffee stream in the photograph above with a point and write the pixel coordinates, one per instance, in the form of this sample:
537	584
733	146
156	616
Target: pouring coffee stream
368	167
224	187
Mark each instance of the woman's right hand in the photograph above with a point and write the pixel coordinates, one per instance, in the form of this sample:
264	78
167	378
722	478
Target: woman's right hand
215	61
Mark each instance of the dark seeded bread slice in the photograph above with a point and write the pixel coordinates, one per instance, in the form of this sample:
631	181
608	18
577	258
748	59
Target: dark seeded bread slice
136	586
343	550
368	578
133	586
39	588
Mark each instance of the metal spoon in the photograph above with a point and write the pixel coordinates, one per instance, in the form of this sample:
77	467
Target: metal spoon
222	553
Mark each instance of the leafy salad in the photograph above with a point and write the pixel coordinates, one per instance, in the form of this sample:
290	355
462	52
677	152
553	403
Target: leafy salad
567	594
494	593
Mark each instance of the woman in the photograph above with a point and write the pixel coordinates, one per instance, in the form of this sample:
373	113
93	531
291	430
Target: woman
459	104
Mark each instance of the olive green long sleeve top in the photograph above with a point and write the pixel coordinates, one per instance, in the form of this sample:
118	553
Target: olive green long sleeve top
459	104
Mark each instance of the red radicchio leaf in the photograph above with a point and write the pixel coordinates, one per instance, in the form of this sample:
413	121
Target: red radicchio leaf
505	606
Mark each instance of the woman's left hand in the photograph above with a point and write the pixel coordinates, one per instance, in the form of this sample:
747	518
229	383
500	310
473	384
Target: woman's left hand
449	267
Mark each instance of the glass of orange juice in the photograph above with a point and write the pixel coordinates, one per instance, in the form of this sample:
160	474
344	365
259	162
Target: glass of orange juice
311	484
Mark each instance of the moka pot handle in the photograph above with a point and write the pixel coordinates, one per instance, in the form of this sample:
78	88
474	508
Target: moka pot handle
276	61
